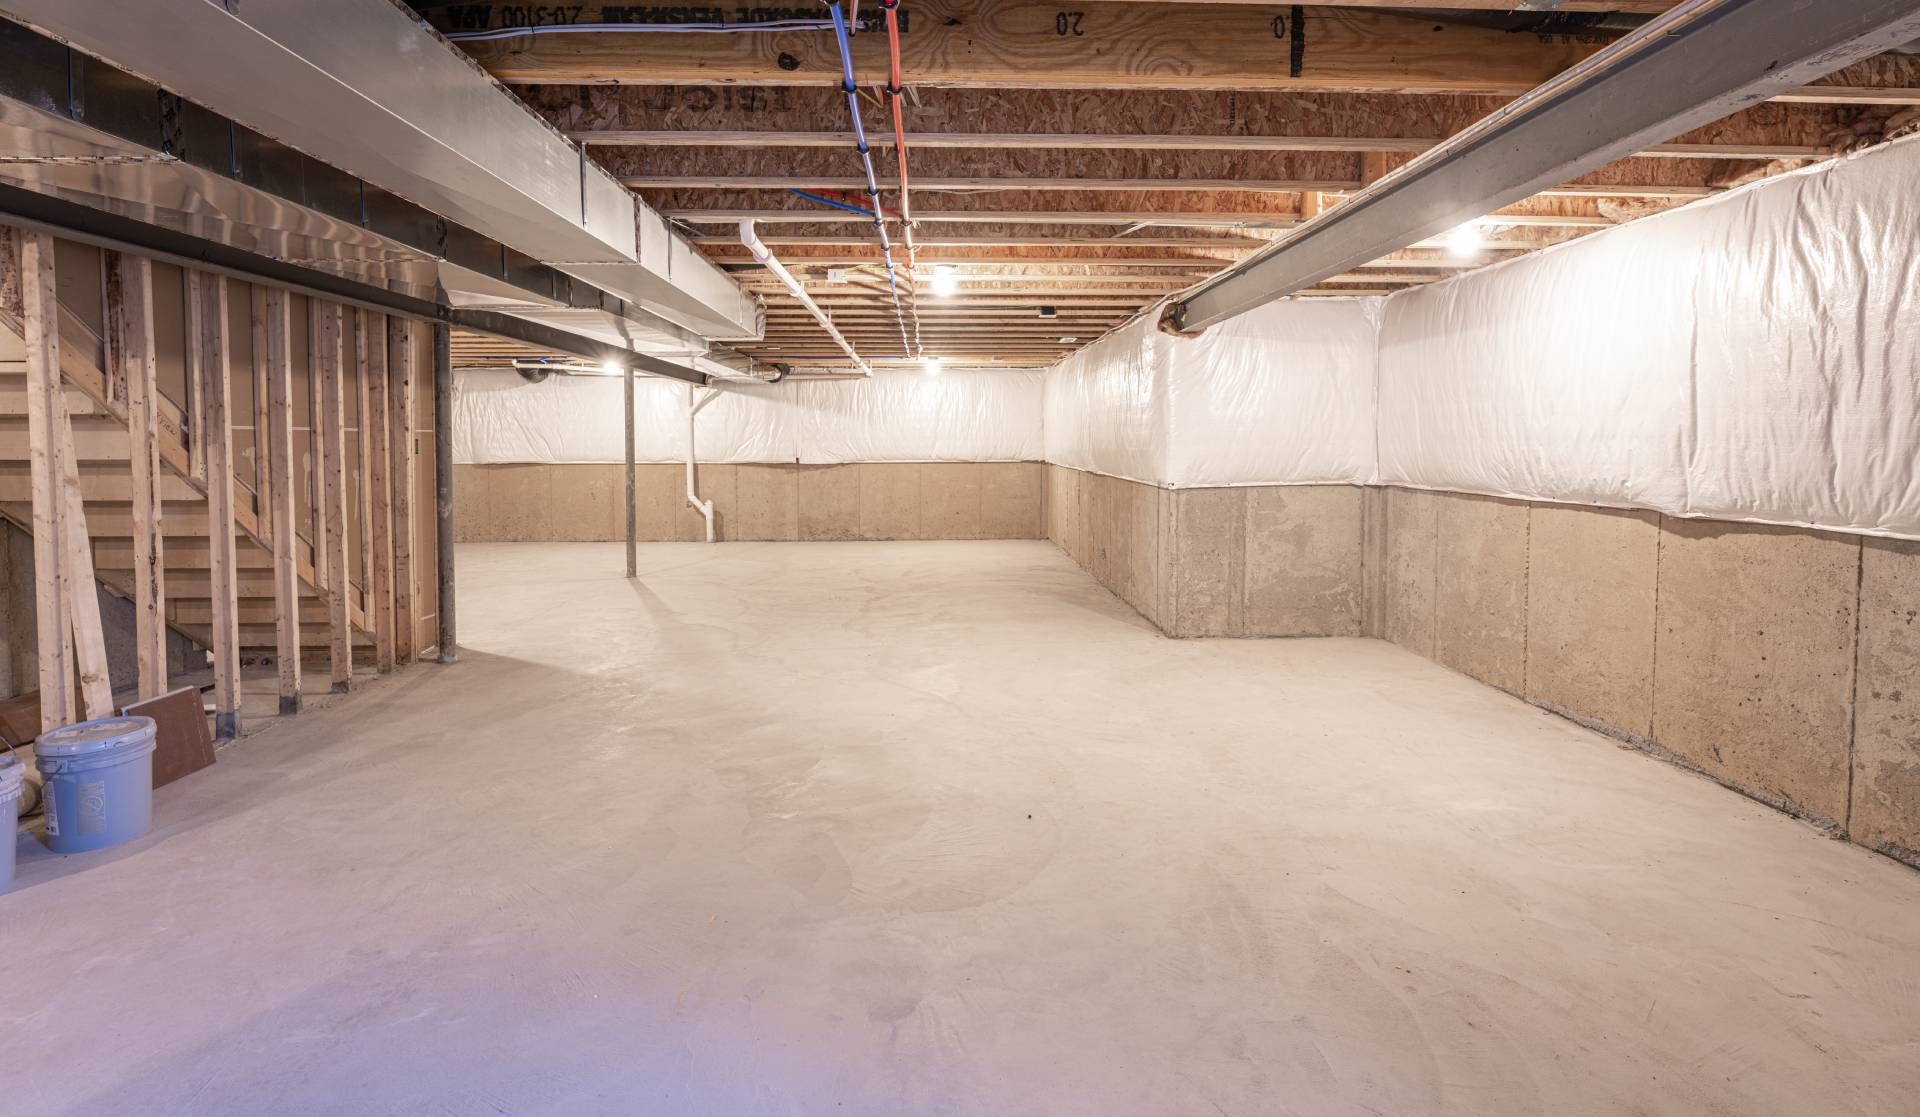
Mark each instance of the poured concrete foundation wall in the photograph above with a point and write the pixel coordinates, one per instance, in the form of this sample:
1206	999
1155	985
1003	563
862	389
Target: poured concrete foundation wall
868	500
1114	529
1270	560
1782	662
1779	661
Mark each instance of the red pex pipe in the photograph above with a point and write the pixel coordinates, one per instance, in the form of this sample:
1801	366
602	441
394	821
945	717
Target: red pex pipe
894	91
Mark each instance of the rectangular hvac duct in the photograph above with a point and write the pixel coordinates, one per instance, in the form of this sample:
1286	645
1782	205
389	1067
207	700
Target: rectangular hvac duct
361	85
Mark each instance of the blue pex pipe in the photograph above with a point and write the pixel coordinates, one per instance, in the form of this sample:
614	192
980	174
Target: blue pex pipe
835	203
852	90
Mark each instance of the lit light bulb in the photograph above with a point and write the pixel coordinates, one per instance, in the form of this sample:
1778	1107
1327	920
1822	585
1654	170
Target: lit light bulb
1465	240
945	283
931	365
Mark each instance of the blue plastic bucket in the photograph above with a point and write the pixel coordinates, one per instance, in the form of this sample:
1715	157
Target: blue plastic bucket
13	775
99	783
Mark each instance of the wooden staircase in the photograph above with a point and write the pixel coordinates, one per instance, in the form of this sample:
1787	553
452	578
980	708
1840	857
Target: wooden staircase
105	455
276	570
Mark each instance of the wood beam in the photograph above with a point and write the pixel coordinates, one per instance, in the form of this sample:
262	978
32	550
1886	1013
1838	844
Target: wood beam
1822	94
936	184
259	374
278	363
1387	122
76	568
1007	141
130	324
943	315
402	476
872	259
1634	7
1002	44
363	471
39	311
1106	44
212	373
1167	219
1207	243
377	418
330	458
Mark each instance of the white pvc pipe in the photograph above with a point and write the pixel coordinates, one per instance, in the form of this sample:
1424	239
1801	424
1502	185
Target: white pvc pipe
695	402
765	256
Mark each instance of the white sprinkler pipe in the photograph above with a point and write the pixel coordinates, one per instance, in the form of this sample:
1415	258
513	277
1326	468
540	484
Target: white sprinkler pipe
696	401
765	256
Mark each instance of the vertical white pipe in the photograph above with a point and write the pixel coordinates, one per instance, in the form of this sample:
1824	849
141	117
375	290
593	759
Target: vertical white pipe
705	507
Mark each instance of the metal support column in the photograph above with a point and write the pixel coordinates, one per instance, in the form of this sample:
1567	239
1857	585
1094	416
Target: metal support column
633	518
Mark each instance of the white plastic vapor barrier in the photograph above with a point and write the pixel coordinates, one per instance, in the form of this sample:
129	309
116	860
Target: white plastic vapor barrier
1277	396
1106	406
1755	357
1280	395
960	415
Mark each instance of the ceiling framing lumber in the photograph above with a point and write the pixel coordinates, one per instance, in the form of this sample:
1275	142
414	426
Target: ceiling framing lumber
1219	127
1107	44
1824	94
1013	141
1016	44
1211	243
1187	218
1631	7
1101	185
981	183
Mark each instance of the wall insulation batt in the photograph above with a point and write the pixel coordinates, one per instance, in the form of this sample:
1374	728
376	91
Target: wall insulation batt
1277	396
1755	357
894	416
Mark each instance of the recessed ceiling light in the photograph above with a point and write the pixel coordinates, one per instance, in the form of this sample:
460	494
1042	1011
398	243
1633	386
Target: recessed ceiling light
1466	240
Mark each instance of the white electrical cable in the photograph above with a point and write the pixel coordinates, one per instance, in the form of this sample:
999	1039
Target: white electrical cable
629	28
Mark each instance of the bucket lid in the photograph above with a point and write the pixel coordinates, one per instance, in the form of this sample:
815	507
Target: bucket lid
94	738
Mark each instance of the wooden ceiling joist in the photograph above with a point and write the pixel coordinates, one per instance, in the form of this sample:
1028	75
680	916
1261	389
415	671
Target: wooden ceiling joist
1012	44
777	240
1218	128
937	184
1016	44
1169	218
1014	118
1631	7
872	260
1014	141
1101	185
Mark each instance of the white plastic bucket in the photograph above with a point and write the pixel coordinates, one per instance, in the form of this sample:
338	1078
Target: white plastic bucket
13	775
99	782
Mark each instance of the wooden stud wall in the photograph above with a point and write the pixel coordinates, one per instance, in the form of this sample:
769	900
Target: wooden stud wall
291	494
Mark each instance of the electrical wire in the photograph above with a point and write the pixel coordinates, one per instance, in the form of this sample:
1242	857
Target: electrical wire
852	90
894	90
637	28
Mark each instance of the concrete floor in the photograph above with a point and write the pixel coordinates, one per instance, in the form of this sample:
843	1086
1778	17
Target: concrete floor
944	828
